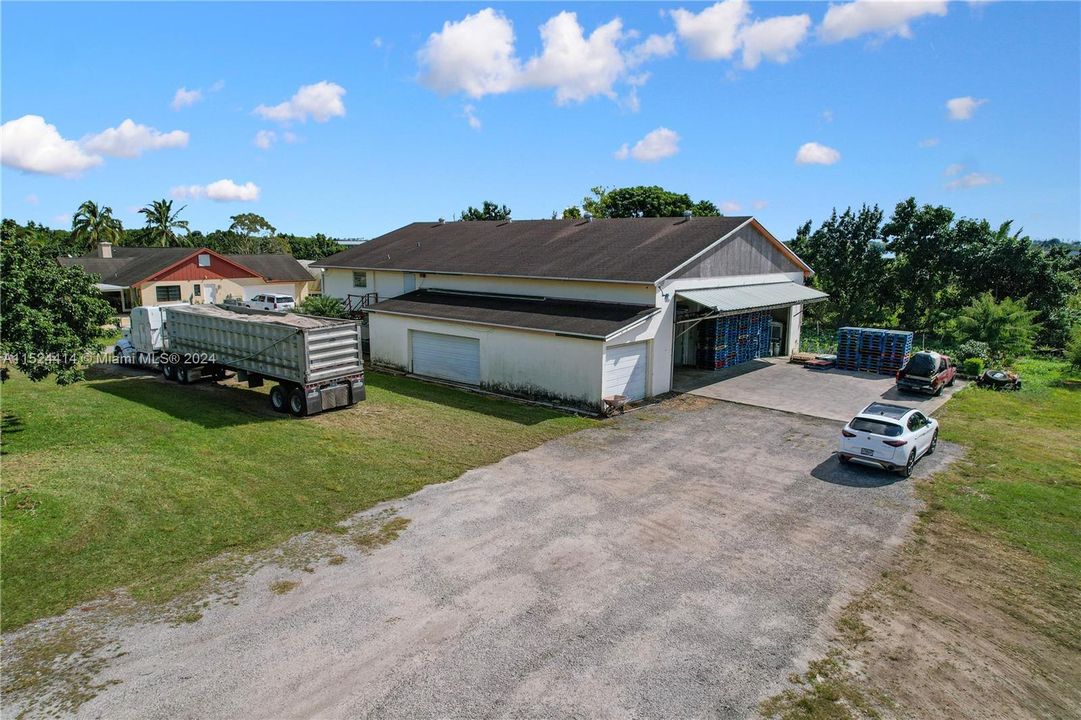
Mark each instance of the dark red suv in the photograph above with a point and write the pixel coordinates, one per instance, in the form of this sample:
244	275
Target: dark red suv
926	372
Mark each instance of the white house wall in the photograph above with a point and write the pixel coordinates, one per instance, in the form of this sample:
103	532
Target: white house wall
565	369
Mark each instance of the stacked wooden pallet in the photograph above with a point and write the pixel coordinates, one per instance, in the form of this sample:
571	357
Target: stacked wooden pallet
735	339
873	349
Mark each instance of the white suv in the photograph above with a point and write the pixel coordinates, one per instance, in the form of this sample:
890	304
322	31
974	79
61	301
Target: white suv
271	302
889	436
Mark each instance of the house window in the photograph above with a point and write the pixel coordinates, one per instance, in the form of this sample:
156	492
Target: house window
360	279
168	293
204	260
197	290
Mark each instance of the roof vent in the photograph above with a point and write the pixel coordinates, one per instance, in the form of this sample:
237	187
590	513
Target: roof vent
442	221
687	214
588	217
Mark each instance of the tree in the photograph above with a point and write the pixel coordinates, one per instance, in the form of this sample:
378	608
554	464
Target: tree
322	305
488	211
312	248
846	255
162	224
572	213
51	316
251	234
92	225
643	201
925	245
1007	326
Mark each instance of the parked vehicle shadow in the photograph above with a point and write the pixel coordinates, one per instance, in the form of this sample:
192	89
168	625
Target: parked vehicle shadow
460	398
833	471
205	403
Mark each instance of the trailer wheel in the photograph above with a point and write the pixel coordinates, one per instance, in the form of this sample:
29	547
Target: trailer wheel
298	403
168	371
183	374
279	399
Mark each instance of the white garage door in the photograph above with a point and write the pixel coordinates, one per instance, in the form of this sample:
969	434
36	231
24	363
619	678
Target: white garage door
625	370
449	357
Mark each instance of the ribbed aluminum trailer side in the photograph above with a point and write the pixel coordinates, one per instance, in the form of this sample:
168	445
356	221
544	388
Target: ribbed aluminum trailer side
315	361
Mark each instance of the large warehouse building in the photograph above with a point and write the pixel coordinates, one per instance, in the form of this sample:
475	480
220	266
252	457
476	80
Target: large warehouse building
573	311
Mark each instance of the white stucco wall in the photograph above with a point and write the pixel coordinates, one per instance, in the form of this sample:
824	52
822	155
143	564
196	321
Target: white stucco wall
516	361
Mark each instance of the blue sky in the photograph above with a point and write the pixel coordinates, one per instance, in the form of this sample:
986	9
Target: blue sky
375	115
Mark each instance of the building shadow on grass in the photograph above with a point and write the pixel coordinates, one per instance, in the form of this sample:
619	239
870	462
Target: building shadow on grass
205	403
461	398
833	471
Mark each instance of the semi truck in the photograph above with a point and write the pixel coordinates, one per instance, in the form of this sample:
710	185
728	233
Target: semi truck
315	362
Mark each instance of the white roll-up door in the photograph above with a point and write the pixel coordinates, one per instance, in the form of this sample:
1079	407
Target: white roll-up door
625	368
448	357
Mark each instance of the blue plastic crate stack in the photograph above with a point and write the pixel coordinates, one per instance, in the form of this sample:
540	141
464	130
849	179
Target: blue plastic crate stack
873	349
732	340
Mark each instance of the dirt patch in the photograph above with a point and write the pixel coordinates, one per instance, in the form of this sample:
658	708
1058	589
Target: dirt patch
960	626
280	587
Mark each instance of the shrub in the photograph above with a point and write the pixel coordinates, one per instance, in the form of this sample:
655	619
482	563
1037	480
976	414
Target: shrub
974	349
1073	347
973	367
1007	326
322	305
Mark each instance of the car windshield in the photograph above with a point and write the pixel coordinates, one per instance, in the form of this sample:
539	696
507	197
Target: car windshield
922	364
876	427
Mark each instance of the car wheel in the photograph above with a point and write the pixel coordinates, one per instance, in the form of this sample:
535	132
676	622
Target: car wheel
938	391
279	399
950	383
934	443
183	374
298	403
168	371
906	471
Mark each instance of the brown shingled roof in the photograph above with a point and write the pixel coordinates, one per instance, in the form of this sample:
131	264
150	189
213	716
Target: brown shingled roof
625	249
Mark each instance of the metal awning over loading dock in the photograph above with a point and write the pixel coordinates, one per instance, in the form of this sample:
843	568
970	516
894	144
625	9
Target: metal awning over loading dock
746	298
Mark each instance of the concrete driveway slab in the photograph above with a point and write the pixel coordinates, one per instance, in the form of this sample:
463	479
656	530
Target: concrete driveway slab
678	562
779	385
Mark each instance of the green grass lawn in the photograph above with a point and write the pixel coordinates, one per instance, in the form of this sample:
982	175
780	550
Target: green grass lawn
132	482
1021	478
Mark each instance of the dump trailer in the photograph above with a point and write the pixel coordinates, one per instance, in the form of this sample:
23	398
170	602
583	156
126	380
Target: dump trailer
315	362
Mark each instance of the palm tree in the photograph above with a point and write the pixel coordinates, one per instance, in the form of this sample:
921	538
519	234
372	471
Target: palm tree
161	223
92	225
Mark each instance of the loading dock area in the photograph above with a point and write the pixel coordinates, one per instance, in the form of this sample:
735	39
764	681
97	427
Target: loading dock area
776	384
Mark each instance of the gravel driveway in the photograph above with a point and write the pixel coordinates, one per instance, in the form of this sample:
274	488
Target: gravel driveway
678	562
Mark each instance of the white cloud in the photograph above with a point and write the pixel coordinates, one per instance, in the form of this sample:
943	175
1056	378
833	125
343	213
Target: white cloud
220	191
972	180
218	86
474	55
185	98
290	138
264	139
32	199
759	204
656	145
653	46
712	34
129	139
885	18
827	115
377	42
954	169
775	39
31	144
963	108
320	101
724	28
813	153
477	56
470	113
928	142
730	206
